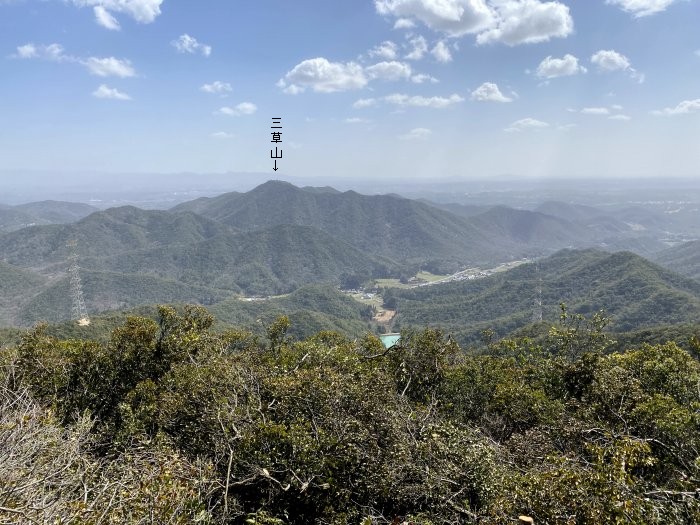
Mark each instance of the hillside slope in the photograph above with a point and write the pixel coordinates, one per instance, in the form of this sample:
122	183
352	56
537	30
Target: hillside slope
633	291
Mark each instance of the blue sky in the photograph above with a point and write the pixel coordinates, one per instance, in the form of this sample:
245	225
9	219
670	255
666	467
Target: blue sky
422	89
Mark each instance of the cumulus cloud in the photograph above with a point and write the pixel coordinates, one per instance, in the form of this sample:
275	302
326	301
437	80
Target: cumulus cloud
142	11
389	71
423	102
525	124
387	50
489	92
528	22
566	66
109	67
188	44
683	108
217	88
453	17
356	120
416	134
52	52
422	78
105	18
620	117
609	60
441	52
404	23
595	111
107	92
640	8
244	108
324	76
419	47
364	103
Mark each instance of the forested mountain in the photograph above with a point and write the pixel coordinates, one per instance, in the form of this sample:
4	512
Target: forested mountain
419	234
632	290
57	212
401	229
105	233
45	212
684	259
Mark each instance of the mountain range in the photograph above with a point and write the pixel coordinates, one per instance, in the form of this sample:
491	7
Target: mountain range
275	239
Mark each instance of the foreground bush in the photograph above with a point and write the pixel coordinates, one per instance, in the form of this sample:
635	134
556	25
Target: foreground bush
172	423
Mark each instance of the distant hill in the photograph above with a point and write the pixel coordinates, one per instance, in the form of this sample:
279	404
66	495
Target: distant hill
131	257
635	292
310	309
41	213
265	262
684	259
57	212
111	291
407	231
400	229
106	233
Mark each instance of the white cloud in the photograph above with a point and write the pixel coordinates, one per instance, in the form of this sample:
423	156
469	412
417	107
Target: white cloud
325	77
453	17
364	103
552	67
419	48
683	108
105	19
619	117
387	50
441	52
595	111
52	52
356	120
244	108
421	78
610	60
616	107
528	22
222	135
641	8
143	11
489	92
423	102
525	124
188	44
217	88
404	23
697	53
109	67
107	92
390	71
416	134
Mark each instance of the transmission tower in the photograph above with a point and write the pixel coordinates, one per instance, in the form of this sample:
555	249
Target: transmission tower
537	303
79	312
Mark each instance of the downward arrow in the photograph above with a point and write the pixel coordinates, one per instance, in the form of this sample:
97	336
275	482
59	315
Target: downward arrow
275	168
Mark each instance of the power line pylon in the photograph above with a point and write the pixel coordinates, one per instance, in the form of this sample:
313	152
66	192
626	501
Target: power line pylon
79	311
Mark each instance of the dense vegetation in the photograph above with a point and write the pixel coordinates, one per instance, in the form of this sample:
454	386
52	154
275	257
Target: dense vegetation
169	422
684	259
277	238
635	293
